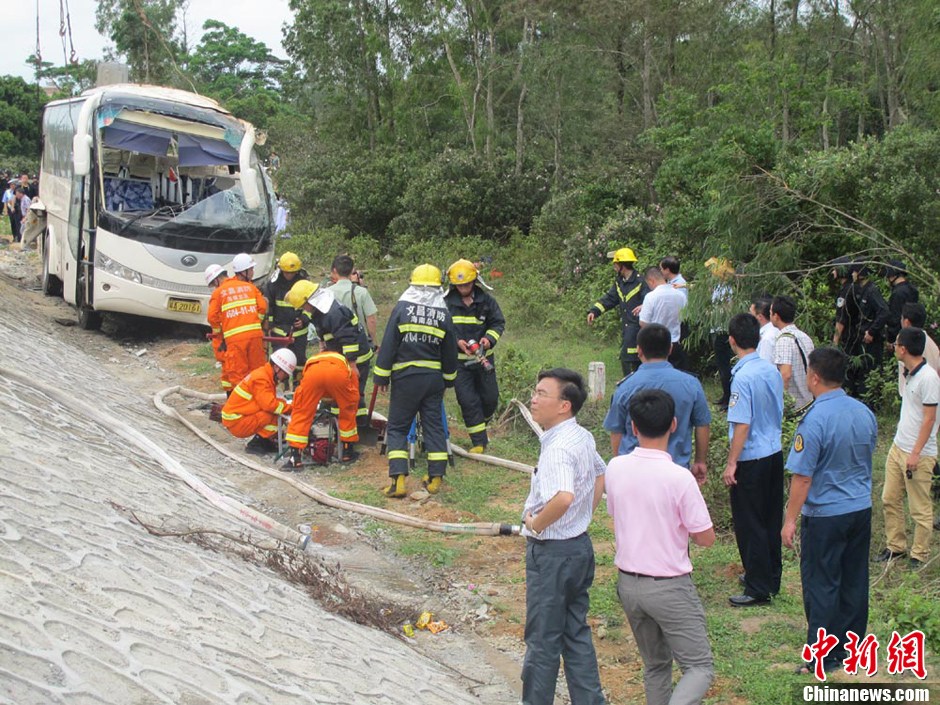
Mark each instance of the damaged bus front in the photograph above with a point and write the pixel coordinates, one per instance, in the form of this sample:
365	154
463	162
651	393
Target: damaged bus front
144	187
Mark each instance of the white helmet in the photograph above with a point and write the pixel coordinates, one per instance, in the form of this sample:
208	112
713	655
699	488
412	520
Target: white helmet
212	273
242	263
285	359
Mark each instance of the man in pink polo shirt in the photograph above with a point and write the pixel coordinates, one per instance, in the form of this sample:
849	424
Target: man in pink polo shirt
657	507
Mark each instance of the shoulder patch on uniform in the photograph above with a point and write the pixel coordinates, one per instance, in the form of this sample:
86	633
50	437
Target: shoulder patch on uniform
733	400
798	442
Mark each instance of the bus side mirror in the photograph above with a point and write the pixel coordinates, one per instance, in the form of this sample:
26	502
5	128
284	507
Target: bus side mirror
81	154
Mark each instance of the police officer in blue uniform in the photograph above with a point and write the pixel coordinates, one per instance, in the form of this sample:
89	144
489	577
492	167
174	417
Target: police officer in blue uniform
692	414
831	464
754	471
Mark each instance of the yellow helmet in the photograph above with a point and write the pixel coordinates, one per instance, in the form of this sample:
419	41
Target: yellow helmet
719	266
462	272
426	275
624	254
301	292
289	262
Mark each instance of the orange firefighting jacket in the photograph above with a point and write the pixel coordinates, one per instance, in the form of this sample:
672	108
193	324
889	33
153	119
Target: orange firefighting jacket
238	309
257	392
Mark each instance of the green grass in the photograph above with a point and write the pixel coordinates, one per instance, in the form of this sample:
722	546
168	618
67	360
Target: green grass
756	649
435	549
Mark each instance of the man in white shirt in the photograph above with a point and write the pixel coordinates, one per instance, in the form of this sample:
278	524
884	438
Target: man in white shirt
909	467
760	309
565	489
791	351
670	268
914	314
663	305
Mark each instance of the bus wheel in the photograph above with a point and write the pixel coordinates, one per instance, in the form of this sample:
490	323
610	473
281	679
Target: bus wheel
51	284
88	318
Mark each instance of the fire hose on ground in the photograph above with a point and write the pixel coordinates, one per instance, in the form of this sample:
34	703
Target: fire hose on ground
171	465
478	529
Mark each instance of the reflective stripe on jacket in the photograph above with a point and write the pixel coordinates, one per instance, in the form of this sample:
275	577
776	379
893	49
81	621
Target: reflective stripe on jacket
417	339
238	310
256	392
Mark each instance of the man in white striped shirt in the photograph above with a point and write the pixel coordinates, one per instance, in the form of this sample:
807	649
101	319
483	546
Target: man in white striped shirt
566	487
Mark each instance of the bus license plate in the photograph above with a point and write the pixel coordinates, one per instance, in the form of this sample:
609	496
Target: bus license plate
184	306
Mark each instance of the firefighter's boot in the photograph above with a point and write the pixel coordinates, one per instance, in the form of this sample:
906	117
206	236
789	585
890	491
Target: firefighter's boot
397	487
433	484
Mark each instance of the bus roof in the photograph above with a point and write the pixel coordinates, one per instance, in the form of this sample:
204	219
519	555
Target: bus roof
172	95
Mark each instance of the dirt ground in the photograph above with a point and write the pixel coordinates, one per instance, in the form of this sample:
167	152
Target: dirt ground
481	595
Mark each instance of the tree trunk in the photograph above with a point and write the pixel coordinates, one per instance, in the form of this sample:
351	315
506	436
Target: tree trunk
520	103
468	114
557	131
490	111
621	74
773	29
646	76
889	56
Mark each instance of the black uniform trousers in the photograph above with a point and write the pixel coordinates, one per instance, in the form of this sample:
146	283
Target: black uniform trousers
417	393
757	512
478	396
362	413
629	359
723	356
834	574
864	360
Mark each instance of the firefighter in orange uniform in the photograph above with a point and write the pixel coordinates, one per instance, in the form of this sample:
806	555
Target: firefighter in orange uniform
238	311
215	275
326	374
254	406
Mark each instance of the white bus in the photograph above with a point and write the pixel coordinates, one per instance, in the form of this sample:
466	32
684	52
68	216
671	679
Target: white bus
144	187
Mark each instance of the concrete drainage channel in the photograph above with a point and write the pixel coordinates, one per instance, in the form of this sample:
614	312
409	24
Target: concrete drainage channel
477	529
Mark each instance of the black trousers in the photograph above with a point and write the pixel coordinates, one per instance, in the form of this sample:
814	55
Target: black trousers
417	393
834	574
629	359
678	357
478	396
757	512
362	413
723	356
864	360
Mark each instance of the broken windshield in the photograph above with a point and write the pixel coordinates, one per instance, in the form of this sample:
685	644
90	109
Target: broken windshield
174	183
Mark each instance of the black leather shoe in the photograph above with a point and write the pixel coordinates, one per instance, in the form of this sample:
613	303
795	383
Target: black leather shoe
887	555
748	601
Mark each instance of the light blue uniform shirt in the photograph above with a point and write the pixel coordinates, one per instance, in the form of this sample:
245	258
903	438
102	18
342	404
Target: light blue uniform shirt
757	400
686	391
833	445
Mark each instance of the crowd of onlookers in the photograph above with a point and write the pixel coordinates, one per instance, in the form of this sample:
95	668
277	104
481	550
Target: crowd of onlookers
659	415
18	195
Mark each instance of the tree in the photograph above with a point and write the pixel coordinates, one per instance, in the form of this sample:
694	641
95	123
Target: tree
144	31
20	110
239	72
